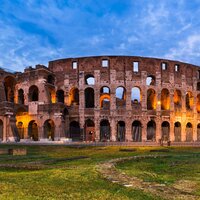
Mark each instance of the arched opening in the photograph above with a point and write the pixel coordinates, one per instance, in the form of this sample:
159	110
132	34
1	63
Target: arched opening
89	79
189	132
21	111
50	79
136	96
189	101
89	98
198	86
120	97
33	130
177	100
21	96
177	132
105	103
105	90
198	103
165	131
150	80
137	131
49	129
89	130
1	130
198	132
151	130
75	132
52	94
74	96
20	128
151	99
104	130
9	84
65	115
105	98
60	96
121	130
33	93
165	99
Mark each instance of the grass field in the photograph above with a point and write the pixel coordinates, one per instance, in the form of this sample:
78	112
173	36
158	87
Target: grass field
48	173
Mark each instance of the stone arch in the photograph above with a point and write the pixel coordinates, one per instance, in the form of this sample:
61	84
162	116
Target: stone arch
189	100
165	131
151	130
74	96
177	132
60	96
65	113
75	131
105	130
151	99
1	130
52	94
89	79
198	86
177	99
33	130
136	96
89	130
137	131
120	95
198	103
104	90
9	84
89	98
50	79
20	128
189	132
165	99
151	80
33	93
198	132
20	96
49	129
105	97
121	131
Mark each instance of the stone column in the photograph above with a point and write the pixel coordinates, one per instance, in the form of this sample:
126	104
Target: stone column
128	136
97	130
158	130
171	134
4	128
144	131
113	130
40	132
183	132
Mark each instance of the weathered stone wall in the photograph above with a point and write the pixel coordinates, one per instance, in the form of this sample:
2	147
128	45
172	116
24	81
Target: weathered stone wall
57	102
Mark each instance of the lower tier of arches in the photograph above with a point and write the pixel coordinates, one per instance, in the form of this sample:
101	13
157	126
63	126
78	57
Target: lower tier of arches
136	130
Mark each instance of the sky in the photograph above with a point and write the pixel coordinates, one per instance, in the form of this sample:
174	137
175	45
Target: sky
37	31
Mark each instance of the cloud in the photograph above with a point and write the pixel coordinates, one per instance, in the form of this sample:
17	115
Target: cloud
36	31
187	50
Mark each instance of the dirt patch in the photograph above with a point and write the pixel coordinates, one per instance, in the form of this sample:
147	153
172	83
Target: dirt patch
185	185
109	172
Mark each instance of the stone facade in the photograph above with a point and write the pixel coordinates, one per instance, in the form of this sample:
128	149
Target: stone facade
103	98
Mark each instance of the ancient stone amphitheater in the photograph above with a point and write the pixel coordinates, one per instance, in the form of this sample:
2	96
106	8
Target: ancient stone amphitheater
102	98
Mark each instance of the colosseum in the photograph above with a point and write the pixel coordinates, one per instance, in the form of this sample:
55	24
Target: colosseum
102	98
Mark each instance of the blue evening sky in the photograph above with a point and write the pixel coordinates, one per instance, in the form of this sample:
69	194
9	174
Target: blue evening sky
37	31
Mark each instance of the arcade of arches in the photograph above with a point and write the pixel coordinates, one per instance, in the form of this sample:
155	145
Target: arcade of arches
90	102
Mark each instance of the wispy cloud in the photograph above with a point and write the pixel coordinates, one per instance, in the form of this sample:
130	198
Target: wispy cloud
33	32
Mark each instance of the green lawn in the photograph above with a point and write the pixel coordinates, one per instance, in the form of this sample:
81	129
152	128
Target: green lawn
79	179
